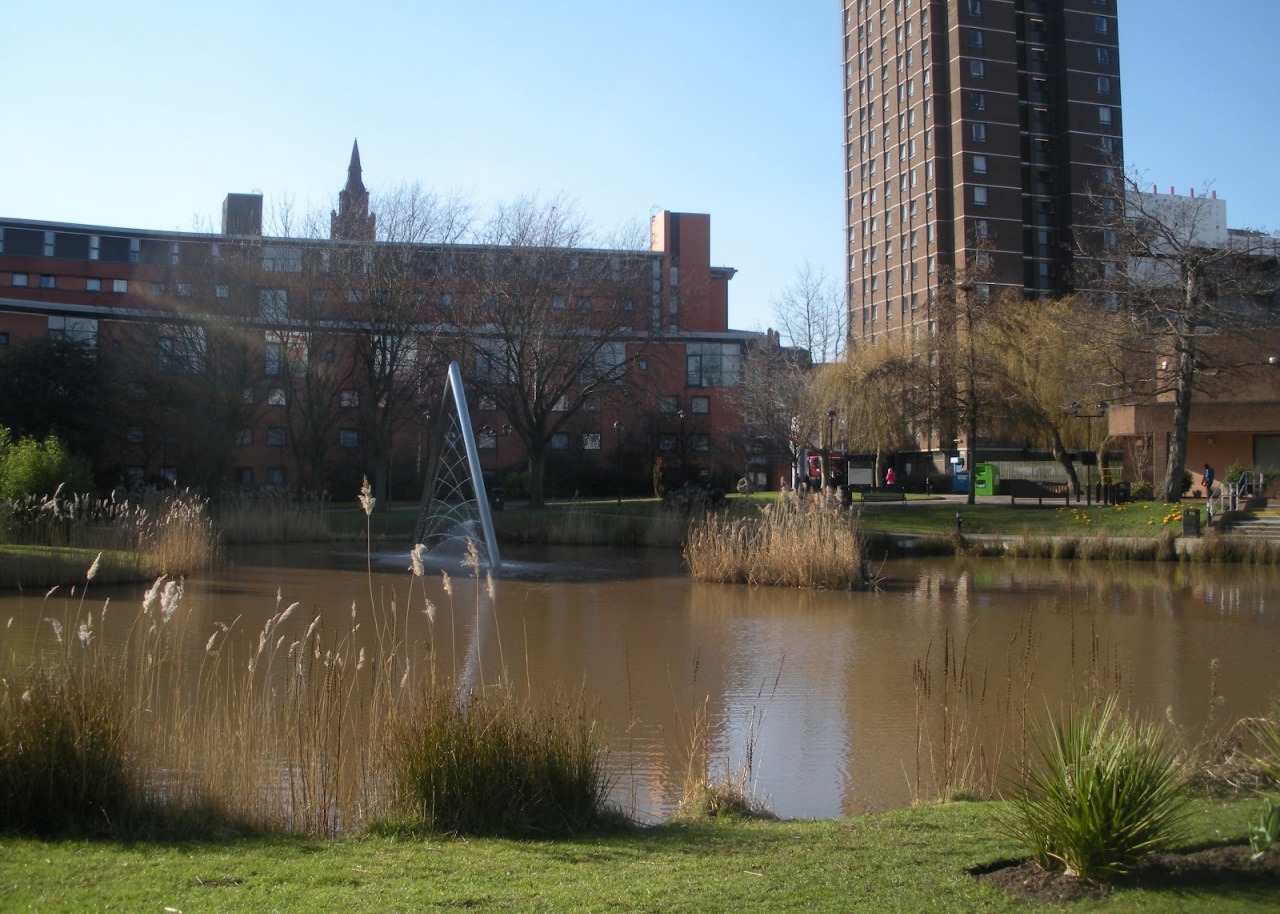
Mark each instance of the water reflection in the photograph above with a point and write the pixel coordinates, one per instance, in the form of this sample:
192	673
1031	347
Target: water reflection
823	679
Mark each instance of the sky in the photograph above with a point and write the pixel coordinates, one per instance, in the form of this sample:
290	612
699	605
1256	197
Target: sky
145	115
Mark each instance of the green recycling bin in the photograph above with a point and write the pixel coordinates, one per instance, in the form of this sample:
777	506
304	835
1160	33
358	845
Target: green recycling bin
986	479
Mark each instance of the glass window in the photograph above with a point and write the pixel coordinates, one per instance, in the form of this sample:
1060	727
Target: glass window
591	441
979	132
560	442
275	437
22	280
119	285
713	364
978	101
47	281
977	69
668	404
348	437
979	165
700	406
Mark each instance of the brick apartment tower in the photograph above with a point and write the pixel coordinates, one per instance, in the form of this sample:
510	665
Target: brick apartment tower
979	136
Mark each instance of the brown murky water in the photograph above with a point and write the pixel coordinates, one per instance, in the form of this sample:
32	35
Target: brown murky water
817	686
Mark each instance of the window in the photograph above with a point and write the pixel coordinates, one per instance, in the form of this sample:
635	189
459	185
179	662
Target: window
591	441
561	405
244	437
1104	85
714	364
133	434
975	8
275	476
276	397
1101	25
979	165
222	291
560	442
348	437
135	248
446	300
275	436
349	399
1104	56
47	281
50	240
1108	238
184	289
95	247
700	406
666	443
977	69
981	228
979	132
1104	116
119	285
4	338
978	101
700	442
975	38
273	304
22	280
279	258
175	255
90	285
157	288
668	404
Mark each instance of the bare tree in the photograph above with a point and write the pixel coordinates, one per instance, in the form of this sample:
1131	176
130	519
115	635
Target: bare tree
398	315
777	400
810	314
553	325
1195	293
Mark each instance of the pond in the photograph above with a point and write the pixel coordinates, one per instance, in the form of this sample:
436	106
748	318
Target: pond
844	702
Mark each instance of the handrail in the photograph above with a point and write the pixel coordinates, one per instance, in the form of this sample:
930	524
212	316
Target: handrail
1228	497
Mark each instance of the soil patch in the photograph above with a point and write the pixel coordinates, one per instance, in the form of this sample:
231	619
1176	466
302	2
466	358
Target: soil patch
1219	865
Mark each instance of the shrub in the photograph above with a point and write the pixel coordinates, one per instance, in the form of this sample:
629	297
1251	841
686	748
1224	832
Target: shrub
491	763
1107	792
30	468
1142	491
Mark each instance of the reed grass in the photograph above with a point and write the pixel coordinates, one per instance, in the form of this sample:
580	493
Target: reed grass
495	763
272	516
794	542
297	727
167	533
593	528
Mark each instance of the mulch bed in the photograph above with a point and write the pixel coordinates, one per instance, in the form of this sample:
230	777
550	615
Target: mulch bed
1219	865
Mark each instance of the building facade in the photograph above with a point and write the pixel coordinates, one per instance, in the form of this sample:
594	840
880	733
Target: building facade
251	360
982	139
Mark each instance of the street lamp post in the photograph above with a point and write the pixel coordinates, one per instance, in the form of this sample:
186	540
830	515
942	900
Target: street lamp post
617	459
1091	459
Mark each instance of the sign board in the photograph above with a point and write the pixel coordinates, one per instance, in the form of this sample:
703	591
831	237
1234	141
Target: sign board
861	476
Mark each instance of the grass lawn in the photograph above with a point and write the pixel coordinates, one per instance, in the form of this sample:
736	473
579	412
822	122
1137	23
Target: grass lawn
909	860
920	515
1139	519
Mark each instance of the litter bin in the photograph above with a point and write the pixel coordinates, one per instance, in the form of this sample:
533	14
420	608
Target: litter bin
960	482
986	479
1190	521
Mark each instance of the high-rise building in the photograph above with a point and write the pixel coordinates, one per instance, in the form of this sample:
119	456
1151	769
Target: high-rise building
982	139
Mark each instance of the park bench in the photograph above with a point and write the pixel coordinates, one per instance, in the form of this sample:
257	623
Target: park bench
873	495
1032	488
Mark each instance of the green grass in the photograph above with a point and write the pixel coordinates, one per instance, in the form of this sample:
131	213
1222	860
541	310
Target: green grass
910	860
1138	519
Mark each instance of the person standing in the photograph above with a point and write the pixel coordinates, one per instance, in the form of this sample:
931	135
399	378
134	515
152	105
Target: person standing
1208	480
890	478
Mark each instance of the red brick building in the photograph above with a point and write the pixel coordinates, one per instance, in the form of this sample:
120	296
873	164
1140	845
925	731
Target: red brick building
236	358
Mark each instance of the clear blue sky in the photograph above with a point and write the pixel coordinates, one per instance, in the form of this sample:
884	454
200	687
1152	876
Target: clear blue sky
146	114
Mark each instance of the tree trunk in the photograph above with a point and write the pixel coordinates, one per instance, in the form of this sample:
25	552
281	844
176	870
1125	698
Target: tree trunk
1177	462
1063	457
537	469
972	436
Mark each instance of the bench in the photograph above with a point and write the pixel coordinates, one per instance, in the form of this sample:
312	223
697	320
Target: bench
1031	488
882	495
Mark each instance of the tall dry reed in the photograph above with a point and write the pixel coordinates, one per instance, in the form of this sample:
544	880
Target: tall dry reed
272	516
795	542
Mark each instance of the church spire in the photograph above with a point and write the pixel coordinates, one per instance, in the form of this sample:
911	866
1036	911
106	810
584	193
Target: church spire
352	221
354	170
